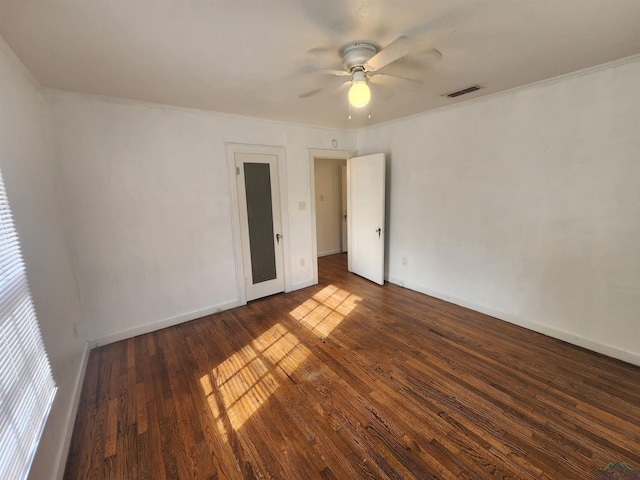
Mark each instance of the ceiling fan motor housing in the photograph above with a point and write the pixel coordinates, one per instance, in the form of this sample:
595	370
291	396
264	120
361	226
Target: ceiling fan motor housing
356	54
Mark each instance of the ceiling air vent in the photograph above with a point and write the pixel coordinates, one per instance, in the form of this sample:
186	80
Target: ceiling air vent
470	89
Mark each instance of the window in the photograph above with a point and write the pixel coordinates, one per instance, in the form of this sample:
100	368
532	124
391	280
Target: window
26	384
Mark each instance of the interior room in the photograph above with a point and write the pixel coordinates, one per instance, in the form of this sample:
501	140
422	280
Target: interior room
503	338
330	183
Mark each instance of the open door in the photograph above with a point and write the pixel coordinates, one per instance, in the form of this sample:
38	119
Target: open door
366	216
343	206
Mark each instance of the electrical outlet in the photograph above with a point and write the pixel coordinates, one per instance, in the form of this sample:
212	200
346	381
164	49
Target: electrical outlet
404	261
302	262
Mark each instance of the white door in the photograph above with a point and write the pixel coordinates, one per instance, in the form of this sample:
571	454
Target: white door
365	217
343	205
260	223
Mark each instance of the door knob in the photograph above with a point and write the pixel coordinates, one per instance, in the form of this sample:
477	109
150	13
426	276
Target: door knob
379	230
278	237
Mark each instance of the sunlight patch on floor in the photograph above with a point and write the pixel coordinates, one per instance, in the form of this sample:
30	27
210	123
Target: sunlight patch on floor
282	349
323	312
243	383
207	388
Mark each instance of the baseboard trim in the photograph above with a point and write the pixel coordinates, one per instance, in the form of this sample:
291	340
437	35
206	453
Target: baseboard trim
168	322
305	284
71	415
332	252
568	337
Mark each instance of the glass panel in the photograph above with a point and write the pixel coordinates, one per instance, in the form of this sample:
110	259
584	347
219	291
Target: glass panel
257	183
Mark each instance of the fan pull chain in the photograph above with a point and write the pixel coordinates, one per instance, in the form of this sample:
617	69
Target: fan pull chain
349	106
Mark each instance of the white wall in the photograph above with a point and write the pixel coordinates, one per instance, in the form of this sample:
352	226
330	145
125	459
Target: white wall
147	207
29	174
526	206
328	192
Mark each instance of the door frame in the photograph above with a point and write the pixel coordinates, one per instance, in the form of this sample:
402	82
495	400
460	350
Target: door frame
319	154
279	152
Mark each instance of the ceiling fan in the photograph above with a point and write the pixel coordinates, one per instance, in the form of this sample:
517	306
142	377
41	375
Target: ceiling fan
362	61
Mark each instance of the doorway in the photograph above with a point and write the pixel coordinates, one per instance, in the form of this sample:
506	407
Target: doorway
331	205
260	224
319	155
365	221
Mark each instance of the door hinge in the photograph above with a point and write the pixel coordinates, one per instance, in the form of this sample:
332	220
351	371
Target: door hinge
237	170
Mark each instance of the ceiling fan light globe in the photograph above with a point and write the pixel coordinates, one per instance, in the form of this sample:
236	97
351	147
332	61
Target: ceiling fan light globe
359	94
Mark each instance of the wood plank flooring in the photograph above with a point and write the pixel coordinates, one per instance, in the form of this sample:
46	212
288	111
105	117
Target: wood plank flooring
348	379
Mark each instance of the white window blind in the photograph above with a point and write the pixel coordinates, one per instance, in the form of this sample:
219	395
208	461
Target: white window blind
26	384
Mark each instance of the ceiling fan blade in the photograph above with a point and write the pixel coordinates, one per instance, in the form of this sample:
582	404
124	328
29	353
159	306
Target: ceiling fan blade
338	73
380	92
395	50
342	89
322	51
310	93
394	81
430	55
413	66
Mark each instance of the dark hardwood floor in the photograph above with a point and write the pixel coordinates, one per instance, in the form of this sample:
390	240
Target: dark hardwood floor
349	379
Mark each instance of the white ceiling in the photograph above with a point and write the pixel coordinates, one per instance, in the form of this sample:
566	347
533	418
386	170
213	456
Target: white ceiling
255	57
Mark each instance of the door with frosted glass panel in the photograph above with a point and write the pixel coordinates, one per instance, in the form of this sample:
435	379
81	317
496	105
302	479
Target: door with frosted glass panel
260	223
